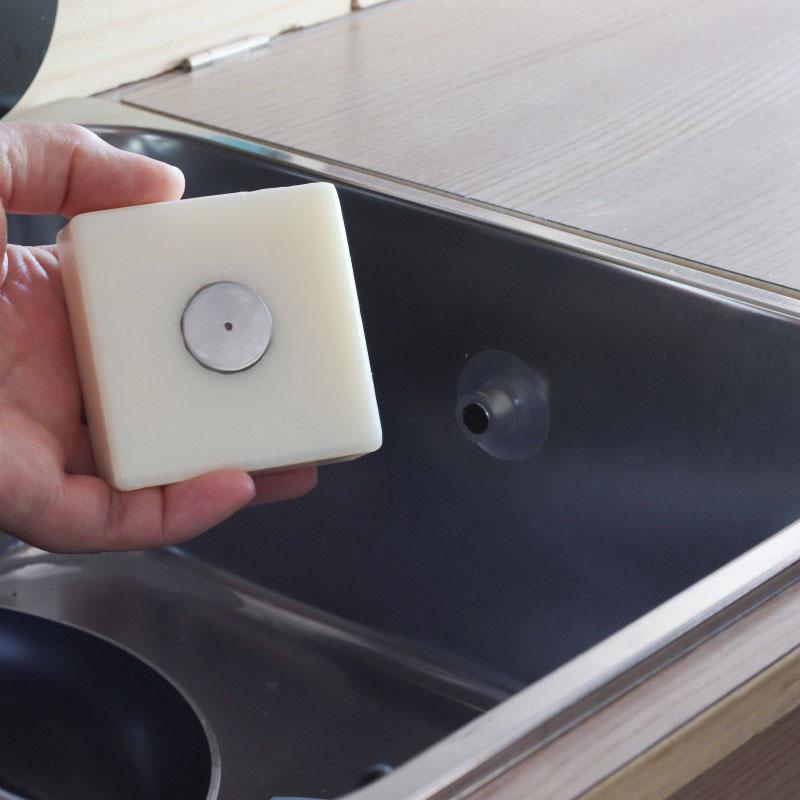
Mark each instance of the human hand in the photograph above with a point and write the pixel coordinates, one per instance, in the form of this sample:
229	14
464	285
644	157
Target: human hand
49	493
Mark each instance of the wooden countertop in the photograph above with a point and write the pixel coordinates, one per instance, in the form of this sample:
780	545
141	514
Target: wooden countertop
672	124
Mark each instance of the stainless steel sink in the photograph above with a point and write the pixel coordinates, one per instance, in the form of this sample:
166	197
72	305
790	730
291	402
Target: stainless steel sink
422	585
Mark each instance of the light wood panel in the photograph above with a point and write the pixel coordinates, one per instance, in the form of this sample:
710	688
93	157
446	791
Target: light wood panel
766	768
675	726
708	739
100	45
669	123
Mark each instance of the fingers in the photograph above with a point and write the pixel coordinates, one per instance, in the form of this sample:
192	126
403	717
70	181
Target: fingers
66	169
284	485
86	515
89	516
42	505
64	513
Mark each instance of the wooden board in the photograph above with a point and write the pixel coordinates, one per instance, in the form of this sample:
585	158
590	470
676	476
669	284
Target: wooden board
677	725
765	767
672	124
709	739
97	46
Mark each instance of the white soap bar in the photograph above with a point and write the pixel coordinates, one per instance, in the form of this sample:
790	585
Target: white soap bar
159	414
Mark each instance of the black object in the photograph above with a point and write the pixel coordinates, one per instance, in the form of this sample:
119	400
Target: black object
25	31
83	718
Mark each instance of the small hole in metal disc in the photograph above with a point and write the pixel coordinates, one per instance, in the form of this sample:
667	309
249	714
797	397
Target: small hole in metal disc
476	418
228	326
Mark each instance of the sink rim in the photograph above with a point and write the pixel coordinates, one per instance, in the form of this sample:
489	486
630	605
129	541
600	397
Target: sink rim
625	255
518	726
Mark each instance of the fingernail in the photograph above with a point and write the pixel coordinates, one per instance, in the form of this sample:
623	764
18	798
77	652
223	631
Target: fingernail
251	484
177	173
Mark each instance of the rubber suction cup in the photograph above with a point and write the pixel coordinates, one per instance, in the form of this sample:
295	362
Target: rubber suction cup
502	406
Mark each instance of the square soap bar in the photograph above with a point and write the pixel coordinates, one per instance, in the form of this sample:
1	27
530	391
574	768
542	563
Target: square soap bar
218	332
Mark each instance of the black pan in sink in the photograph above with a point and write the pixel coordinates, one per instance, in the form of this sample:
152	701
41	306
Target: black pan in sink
82	718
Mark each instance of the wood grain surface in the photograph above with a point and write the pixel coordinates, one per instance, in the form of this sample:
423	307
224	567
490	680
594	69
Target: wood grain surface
709	738
677	725
97	46
673	124
766	768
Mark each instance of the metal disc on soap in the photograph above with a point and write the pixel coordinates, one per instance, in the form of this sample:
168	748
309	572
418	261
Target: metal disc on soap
227	326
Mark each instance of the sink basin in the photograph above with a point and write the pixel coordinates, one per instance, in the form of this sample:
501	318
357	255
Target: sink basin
424	584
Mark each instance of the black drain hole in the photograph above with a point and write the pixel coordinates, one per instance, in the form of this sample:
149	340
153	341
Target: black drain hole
476	418
373	774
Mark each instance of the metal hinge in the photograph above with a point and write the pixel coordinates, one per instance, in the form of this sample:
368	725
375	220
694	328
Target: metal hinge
214	55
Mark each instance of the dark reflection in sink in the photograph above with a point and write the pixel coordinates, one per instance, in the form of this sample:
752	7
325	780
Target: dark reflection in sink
672	445
672	448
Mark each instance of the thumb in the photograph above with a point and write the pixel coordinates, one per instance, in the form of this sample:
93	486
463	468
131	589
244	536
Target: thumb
66	169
